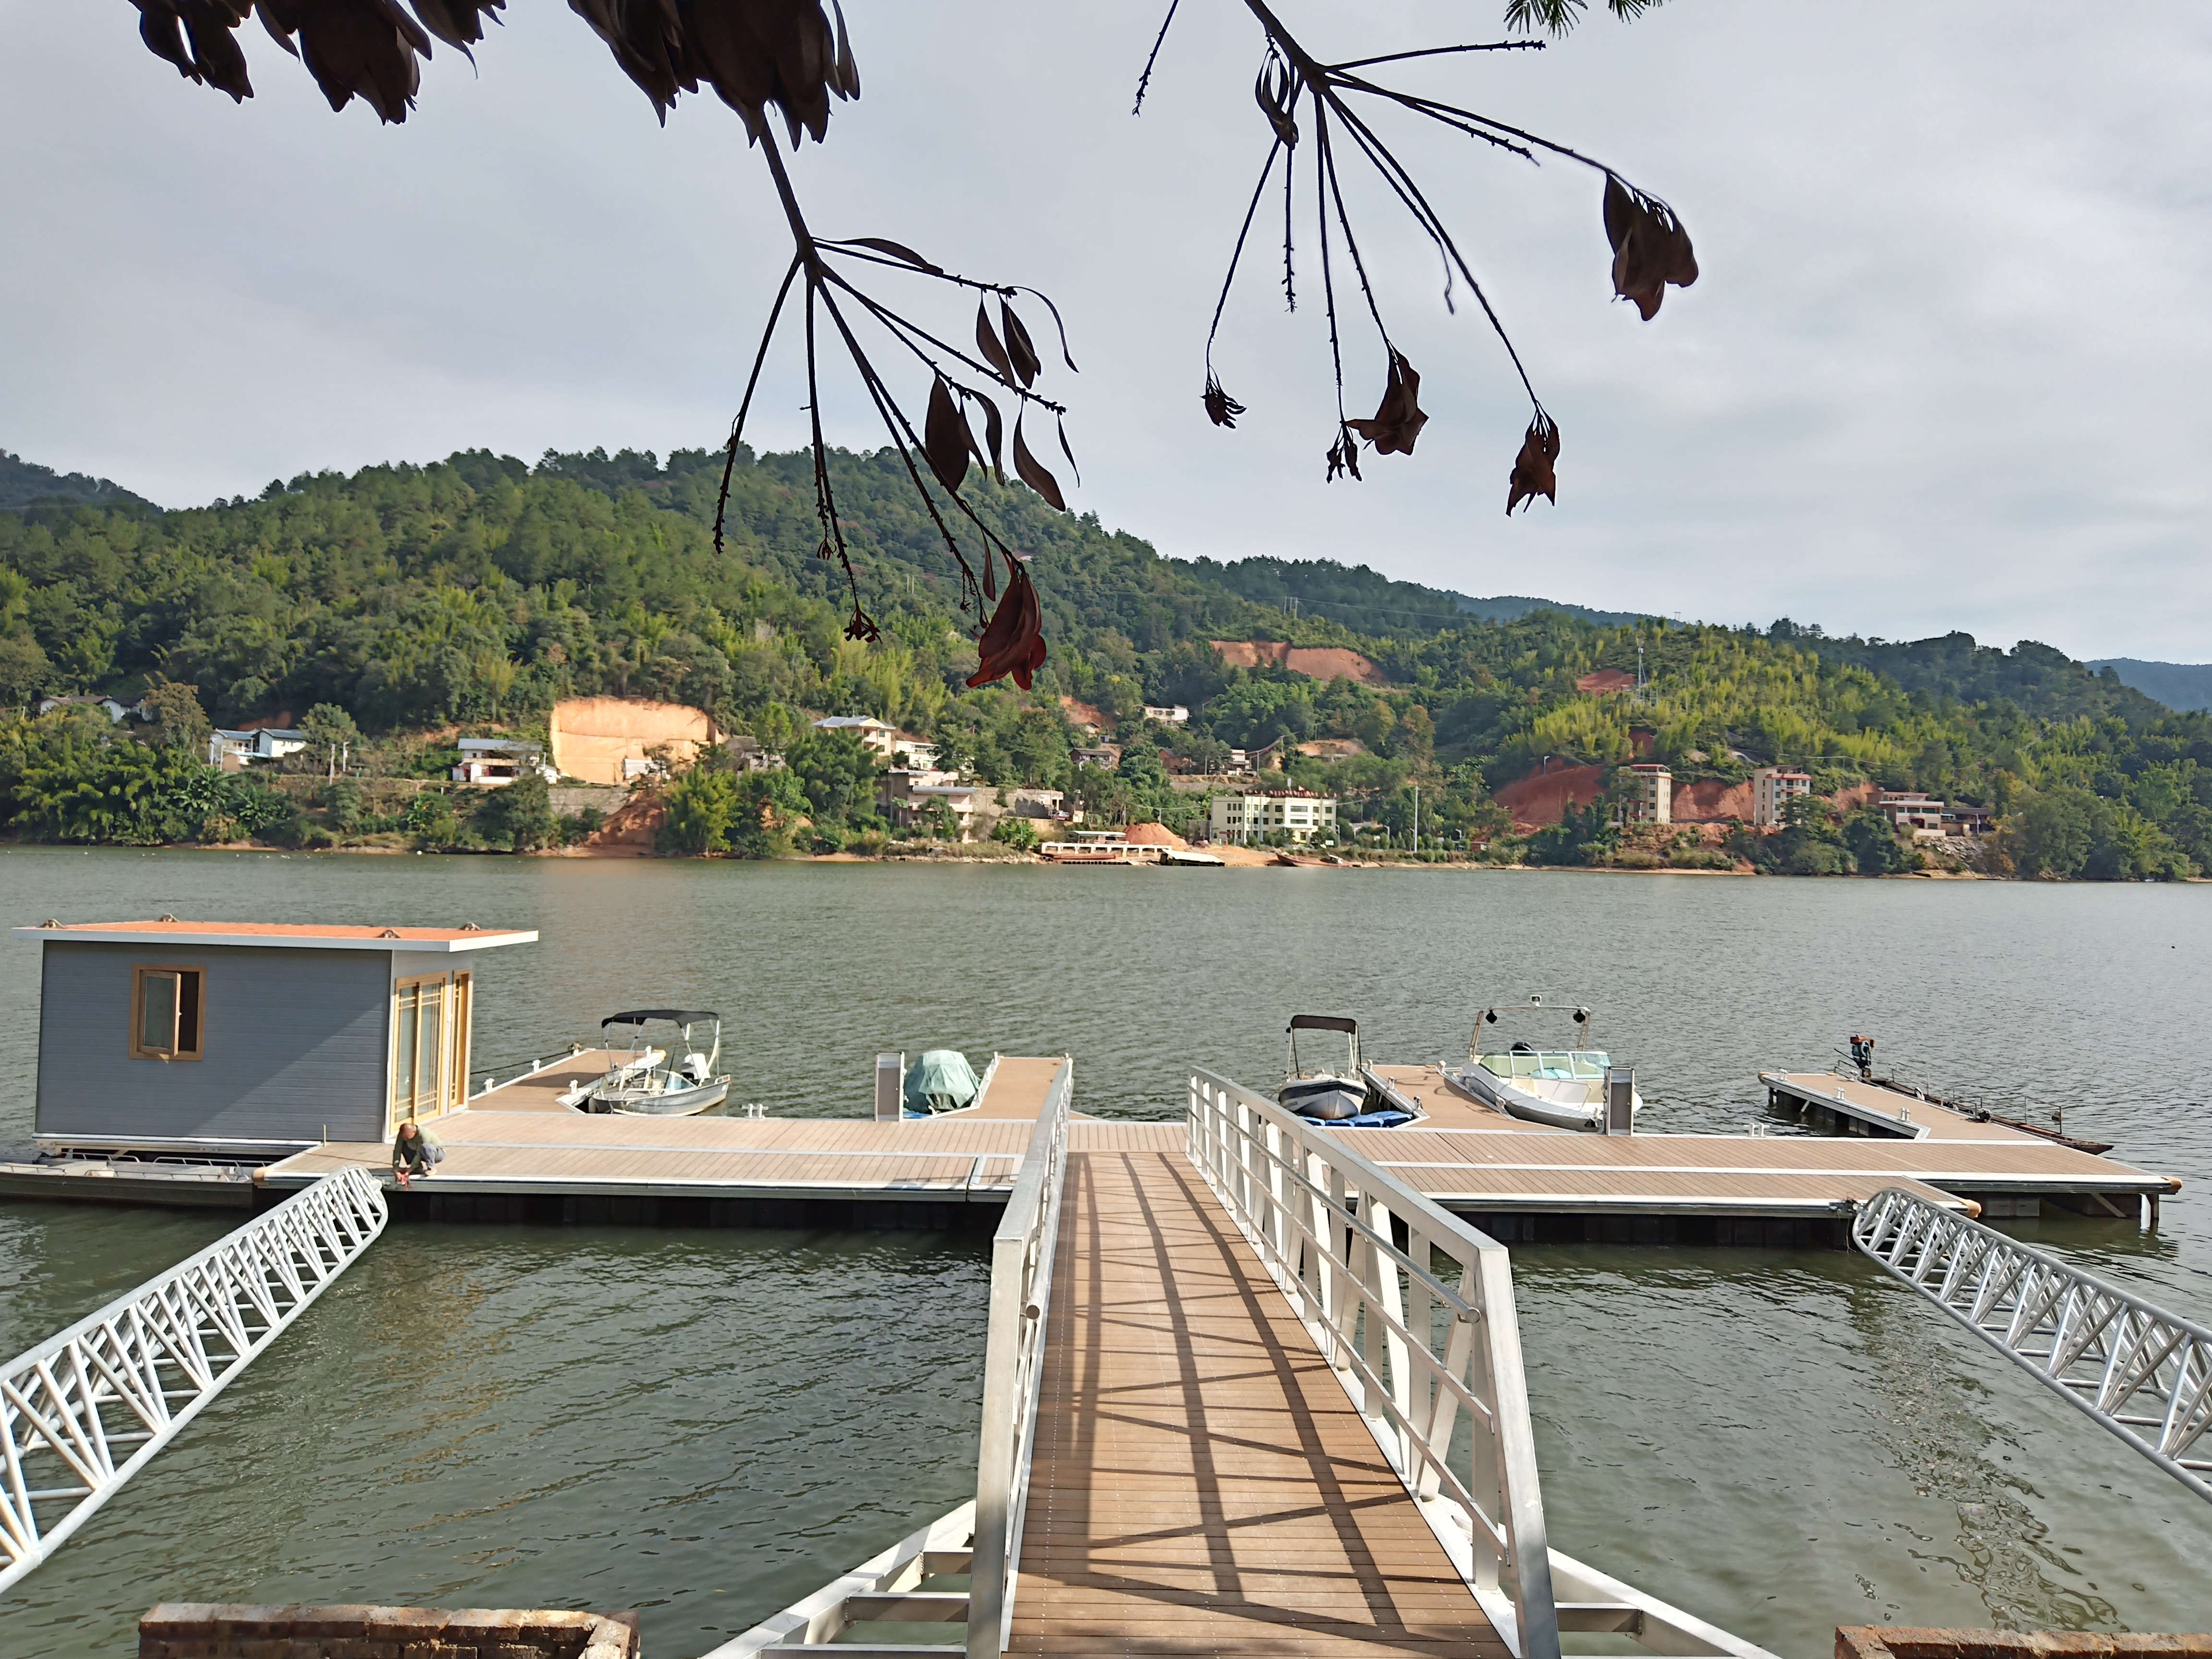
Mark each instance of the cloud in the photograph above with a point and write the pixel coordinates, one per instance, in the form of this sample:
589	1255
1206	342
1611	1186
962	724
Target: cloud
1944	368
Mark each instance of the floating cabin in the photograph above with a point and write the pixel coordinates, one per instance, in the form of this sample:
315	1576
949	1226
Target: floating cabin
229	1040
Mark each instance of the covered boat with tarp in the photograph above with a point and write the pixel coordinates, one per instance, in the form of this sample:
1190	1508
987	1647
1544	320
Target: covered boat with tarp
942	1080
672	1078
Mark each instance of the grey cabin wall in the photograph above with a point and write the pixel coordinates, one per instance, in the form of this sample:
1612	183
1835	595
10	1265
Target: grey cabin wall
293	1040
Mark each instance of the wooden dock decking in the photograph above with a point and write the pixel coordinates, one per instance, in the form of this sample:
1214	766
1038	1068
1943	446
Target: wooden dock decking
1202	1484
518	1142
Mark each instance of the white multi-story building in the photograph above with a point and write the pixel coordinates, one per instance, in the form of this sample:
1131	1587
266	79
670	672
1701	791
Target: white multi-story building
1653	799
1772	789
879	737
1246	818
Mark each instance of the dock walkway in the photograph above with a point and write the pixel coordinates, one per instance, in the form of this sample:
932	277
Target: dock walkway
1202	1483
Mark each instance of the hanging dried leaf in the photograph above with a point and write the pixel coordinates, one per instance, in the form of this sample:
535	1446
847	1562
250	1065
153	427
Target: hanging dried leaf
1344	455
845	74
368	49
1013	640
646	39
1033	473
1534	469
213	58
945	439
994	433
1064	450
1650	248
1398	418
990	575
987	342
1221	409
898	251
1276	92
1019	349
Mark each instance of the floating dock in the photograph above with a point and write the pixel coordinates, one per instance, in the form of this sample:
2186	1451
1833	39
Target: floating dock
515	1154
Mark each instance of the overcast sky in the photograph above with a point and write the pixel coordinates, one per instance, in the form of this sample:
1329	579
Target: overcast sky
1947	367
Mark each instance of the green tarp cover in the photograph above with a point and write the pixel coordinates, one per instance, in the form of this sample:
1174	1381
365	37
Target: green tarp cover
942	1080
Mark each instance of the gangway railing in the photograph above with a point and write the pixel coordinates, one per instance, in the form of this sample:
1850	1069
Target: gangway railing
84	1411
1022	1253
979	1540
2142	1373
1417	1348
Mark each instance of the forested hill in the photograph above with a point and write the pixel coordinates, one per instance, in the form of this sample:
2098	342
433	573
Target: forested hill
24	485
2176	684
478	590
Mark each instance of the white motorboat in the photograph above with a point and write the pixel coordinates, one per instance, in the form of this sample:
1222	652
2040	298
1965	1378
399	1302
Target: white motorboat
651	1083
1562	1087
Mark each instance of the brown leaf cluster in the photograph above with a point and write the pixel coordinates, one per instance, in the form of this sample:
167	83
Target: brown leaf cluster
752	52
1013	640
1398	419
1534	469
368	49
1221	409
1651	249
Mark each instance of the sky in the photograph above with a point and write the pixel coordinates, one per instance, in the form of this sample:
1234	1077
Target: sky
1946	366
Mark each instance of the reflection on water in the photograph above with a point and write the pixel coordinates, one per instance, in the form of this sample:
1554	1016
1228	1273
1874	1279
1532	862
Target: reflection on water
706	1425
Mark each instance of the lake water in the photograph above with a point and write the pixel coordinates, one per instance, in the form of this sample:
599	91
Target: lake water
707	1425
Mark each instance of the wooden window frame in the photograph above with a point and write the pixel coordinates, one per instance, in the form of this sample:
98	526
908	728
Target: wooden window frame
139	970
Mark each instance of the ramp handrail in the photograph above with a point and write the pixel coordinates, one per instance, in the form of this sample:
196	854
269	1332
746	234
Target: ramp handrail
1325	1222
84	1411
2144	1373
1022	1253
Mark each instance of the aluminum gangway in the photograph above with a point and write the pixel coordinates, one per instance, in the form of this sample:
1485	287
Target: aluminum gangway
84	1411
1420	1334
2144	1373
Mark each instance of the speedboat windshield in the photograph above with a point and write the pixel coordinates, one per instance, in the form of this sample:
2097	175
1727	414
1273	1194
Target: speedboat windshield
1590	1063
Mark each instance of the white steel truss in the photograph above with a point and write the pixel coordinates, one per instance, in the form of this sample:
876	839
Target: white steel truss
84	1411
2143	1373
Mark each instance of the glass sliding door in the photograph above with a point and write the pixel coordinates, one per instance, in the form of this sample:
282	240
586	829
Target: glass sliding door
430	1046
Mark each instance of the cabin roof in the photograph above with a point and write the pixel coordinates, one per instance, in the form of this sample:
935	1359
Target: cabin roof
315	936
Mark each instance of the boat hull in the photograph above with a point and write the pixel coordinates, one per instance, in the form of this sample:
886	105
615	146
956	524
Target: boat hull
1325	1099
1586	1117
674	1103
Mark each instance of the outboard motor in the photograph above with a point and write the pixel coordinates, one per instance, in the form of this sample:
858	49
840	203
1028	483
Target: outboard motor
694	1067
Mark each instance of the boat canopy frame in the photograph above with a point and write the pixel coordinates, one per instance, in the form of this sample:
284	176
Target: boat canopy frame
673	1016
1342	1023
1583	1016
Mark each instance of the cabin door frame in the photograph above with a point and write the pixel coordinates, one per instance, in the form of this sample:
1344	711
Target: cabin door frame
428	1065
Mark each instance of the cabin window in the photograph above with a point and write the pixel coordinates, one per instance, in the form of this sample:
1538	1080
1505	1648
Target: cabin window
167	1005
429	1046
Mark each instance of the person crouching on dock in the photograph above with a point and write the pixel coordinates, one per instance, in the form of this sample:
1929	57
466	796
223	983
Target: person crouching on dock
415	1150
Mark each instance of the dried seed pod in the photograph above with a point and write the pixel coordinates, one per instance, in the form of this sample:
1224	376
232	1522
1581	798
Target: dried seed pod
1221	409
1398	418
947	442
1020	351
1033	473
1013	640
1650	248
1534	468
987	342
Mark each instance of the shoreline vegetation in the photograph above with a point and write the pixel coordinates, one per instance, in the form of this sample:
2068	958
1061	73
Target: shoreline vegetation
380	616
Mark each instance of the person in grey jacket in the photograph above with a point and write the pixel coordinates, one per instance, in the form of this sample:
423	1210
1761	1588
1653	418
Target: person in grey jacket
415	1151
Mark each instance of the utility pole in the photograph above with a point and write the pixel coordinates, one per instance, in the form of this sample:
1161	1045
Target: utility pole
1417	818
